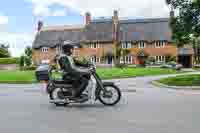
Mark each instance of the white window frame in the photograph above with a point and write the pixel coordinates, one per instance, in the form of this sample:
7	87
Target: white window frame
44	49
160	44
95	59
128	59
45	61
126	45
92	45
160	58
142	44
58	50
76	52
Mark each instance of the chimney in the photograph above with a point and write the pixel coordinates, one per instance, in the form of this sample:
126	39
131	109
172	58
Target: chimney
87	18
115	20
40	25
115	17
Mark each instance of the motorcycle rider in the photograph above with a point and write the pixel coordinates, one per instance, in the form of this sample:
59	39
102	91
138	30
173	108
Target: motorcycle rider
78	76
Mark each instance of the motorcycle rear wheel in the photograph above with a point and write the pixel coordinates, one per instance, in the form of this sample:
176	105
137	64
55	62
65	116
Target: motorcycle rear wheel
109	95
52	97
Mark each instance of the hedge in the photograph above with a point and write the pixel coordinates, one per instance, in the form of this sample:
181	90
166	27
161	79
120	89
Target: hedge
9	60
28	68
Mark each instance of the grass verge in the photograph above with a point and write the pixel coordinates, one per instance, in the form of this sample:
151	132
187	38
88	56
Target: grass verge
25	77
182	80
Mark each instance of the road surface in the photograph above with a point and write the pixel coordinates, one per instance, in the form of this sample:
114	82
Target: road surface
25	109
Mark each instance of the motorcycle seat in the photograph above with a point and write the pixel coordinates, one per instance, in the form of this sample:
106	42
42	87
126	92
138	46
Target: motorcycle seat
62	81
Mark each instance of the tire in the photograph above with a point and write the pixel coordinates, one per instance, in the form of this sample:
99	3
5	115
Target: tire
114	102
51	97
49	87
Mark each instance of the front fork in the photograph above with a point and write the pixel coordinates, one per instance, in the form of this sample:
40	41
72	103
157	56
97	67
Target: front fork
99	86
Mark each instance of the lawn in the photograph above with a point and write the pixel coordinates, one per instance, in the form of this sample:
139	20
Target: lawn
28	76
183	80
7	76
132	72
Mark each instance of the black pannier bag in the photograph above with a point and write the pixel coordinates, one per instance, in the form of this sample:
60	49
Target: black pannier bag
42	73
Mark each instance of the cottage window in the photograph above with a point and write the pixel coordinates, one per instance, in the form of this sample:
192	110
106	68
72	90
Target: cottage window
126	59
142	44
160	58
95	59
76	52
45	49
126	45
94	45
58	50
159	44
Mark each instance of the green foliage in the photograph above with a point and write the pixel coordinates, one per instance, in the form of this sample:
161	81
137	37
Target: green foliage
186	24
28	51
22	61
4	53
196	46
173	63
29	68
183	80
9	60
121	65
81	61
170	58
28	61
150	61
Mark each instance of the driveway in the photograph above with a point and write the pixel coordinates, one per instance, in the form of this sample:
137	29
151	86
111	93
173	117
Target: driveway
25	108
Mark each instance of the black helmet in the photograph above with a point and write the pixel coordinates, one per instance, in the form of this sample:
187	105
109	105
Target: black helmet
67	48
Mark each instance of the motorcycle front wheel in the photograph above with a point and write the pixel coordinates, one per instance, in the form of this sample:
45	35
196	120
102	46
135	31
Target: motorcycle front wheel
110	96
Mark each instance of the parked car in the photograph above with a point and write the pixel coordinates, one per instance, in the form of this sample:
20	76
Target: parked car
172	66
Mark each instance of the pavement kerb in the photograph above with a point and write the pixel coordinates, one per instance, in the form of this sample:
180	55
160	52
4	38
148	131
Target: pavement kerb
158	84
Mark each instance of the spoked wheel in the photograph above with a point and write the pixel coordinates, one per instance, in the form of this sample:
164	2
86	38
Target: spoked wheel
110	96
57	97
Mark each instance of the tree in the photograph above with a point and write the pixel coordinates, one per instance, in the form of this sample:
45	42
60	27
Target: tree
28	56
124	53
187	22
196	47
4	52
22	61
28	51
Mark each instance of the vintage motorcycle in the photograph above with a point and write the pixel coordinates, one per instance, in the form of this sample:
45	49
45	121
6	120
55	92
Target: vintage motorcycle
61	91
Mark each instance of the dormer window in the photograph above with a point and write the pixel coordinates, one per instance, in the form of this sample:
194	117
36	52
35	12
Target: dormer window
142	44
44	49
159	44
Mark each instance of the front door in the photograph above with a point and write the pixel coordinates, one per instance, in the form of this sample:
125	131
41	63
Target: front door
110	59
185	60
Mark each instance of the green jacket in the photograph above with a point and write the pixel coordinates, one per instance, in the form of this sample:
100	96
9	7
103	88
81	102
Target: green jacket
68	65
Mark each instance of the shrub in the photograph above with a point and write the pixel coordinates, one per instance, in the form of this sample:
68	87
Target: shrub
21	61
150	61
81	61
173	63
9	60
28	61
121	65
170	58
28	68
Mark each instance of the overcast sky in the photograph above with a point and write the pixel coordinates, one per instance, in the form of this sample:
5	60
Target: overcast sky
18	18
